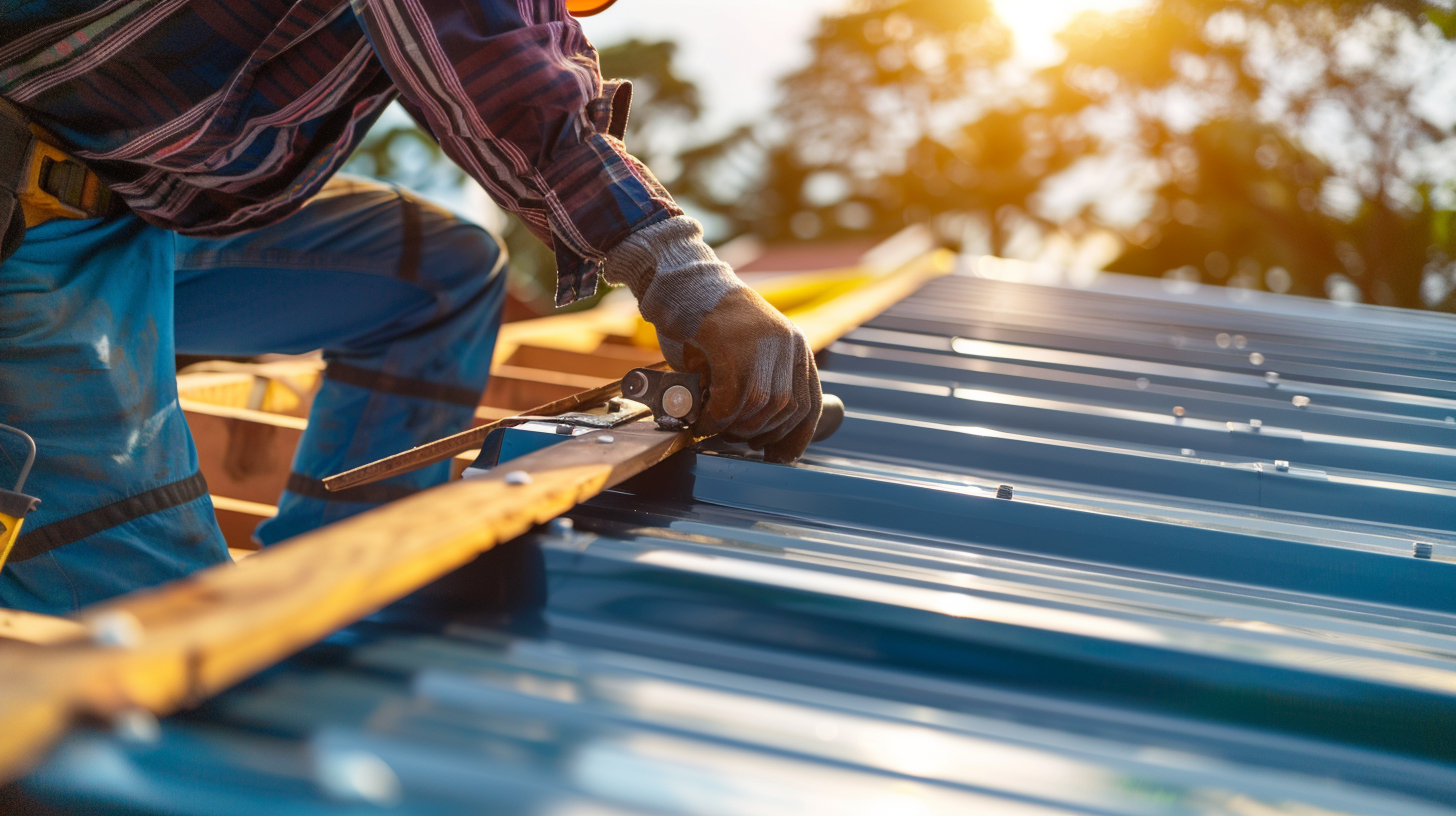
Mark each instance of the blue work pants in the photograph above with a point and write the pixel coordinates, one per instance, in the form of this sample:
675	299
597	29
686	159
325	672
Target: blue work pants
403	297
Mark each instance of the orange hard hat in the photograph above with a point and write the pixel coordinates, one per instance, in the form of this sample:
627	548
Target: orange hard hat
586	8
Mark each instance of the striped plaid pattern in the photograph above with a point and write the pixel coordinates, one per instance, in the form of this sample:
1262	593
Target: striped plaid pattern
210	117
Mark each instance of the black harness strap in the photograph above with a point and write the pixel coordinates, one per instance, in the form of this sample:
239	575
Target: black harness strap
404	386
60	533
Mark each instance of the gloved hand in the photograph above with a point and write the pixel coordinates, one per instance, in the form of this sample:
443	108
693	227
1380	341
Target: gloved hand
763	386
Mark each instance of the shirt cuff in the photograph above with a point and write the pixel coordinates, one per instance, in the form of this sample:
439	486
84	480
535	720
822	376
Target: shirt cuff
676	277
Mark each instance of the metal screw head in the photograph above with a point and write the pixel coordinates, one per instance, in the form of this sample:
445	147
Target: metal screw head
1300	401
1143	383
634	384
605	439
562	526
1271	377
357	776
1281	465
1003	491
563	429
1223	340
117	629
1178	411
137	725
1256	424
1256	358
1421	549
1189	452
1240	341
518	477
677	402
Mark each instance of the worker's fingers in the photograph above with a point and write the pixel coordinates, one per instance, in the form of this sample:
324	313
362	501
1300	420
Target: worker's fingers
770	390
761	380
800	369
801	429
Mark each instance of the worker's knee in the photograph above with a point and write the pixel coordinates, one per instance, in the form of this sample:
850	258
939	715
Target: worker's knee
466	265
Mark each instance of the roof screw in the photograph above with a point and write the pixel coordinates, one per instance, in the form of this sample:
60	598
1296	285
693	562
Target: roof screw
1271	377
1256	358
1003	492
1421	549
1143	383
357	776
1300	401
518	477
564	429
605	439
1240	341
561	526
137	725
1189	452
1281	465
1451	420
1178	411
1256	424
117	629
1223	340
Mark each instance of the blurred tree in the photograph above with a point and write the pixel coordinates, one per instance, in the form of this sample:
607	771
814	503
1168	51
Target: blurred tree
852	147
1291	145
663	102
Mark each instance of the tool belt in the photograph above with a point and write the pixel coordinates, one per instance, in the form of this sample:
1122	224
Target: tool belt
39	181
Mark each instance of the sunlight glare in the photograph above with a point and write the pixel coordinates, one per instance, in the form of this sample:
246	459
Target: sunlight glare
1035	24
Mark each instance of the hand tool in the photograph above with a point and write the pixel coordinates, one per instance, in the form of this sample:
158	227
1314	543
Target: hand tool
442	449
673	398
14	505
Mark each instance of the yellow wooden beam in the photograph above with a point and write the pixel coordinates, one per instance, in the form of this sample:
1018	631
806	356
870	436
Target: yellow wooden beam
181	642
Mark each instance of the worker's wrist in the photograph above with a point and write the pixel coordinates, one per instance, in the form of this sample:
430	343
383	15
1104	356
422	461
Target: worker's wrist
676	277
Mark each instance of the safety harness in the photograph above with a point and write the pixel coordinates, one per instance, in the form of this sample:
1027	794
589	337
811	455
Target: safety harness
39	181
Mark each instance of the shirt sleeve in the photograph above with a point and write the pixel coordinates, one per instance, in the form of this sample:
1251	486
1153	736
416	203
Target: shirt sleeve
513	92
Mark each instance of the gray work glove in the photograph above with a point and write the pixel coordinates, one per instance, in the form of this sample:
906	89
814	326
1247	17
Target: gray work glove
763	386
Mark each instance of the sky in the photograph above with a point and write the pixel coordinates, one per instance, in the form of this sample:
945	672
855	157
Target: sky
736	50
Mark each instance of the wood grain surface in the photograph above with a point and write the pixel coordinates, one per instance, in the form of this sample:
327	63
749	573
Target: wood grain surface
203	633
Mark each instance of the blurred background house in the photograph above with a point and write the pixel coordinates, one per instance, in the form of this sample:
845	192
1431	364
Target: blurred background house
1301	147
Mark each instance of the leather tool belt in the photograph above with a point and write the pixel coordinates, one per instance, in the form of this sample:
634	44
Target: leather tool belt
39	181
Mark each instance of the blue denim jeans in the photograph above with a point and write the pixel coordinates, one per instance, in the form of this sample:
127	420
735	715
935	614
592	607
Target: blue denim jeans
403	297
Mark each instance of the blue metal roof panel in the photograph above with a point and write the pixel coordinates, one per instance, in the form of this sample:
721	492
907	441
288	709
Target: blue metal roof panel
1211	610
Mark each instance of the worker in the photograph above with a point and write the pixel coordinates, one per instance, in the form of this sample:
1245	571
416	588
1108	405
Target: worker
193	145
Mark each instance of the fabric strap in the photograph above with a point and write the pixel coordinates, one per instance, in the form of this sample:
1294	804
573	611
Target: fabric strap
60	533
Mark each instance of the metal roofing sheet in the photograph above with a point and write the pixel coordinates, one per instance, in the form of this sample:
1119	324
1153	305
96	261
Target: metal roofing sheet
1202	596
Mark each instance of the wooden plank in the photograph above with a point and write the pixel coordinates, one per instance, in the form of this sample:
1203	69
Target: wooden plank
608	361
243	454
33	627
826	322
199	635
519	388
238	519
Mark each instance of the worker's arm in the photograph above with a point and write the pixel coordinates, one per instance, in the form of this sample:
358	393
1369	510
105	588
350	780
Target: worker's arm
513	92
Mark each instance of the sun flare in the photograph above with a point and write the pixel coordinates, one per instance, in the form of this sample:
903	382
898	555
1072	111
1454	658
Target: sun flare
1035	23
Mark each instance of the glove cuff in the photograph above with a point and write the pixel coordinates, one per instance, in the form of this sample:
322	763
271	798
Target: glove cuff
676	277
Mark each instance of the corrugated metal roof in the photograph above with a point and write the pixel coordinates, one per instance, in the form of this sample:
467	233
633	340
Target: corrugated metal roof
1202	596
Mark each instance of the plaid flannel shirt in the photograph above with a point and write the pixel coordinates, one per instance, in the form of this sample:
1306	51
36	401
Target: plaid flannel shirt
214	116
